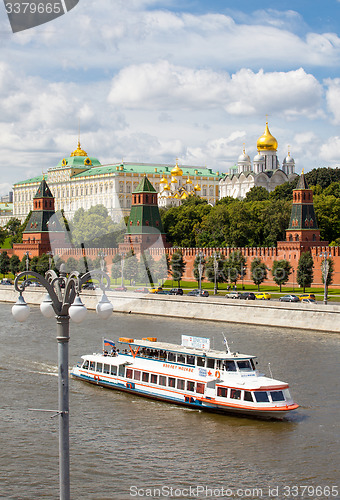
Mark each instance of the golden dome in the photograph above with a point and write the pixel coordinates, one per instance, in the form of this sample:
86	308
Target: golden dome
184	196
188	181
173	180
163	180
176	196
197	188
267	141
78	151
166	187
176	170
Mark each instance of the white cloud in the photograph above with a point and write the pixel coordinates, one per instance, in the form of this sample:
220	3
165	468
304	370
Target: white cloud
330	151
333	98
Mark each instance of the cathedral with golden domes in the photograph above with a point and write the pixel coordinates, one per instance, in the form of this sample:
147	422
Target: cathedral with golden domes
265	170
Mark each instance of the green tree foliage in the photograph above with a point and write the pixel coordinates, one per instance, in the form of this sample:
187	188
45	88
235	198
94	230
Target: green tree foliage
4	263
258	271
95	228
3	236
71	264
116	268
281	271
131	266
235	266
15	228
162	267
14	264
323	176
181	223
215	269
327	210
257	193
43	264
177	266
304	275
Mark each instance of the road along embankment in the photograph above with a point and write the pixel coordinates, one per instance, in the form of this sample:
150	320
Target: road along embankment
289	315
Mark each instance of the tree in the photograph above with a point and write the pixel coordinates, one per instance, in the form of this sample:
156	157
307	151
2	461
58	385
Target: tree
215	269
14	264
116	268
280	271
71	264
235	266
177	266
4	263
162	267
257	193
23	263
131	265
43	264
304	275
258	271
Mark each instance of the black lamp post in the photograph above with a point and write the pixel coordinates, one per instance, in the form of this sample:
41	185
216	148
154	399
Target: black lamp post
62	301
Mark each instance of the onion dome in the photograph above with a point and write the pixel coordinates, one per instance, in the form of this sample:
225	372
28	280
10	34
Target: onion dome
288	160
184	196
177	196
244	157
78	151
173	180
197	187
188	181
267	141
166	187
259	157
176	171
163	180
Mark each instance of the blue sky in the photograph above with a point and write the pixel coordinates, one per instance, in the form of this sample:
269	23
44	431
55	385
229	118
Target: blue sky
156	80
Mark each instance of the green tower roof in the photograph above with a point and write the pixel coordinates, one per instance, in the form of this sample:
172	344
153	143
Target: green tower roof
145	186
43	191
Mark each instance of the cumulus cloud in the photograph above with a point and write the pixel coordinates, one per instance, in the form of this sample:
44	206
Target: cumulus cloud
163	85
330	151
333	98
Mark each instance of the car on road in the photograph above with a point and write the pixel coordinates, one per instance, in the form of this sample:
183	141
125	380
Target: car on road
289	298
162	292
263	295
176	291
89	286
155	289
196	293
141	290
120	289
6	281
247	296
309	301
233	295
307	296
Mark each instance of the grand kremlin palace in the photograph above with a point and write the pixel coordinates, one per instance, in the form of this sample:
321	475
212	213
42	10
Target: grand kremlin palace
80	181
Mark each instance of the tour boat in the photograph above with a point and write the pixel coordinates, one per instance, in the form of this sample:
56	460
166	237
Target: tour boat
191	374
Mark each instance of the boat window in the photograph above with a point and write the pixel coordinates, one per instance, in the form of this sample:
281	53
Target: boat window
136	375
287	394
200	388
190	360
86	364
153	379
252	364
162	380
248	396
128	373
210	363
229	366
113	370
106	368
190	386
180	358
99	367
145	377
171	356
244	366
200	361
222	392
121	370
92	364
261	397
180	384
218	364
235	394
171	381
277	396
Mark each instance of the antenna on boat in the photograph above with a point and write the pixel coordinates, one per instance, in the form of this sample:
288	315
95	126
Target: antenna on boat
226	344
270	370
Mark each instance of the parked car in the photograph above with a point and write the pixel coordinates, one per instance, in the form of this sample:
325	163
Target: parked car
248	296
6	281
141	290
89	286
307	296
309	301
196	293
176	291
233	295
263	295
289	298
120	289
155	289
162	292
35	284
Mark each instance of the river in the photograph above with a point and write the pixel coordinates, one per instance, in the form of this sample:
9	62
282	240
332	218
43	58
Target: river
125	447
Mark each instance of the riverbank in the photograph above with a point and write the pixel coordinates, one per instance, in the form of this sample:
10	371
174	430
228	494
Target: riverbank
265	313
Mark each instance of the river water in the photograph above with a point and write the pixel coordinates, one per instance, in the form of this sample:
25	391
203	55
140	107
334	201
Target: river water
125	447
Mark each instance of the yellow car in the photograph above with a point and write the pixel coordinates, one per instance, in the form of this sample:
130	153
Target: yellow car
307	296
263	295
156	289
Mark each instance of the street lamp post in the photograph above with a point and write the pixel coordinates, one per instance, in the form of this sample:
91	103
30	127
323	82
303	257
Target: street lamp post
27	260
215	272
62	301
200	270
122	267
325	270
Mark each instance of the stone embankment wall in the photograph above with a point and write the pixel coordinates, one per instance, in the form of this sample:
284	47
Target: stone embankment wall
320	317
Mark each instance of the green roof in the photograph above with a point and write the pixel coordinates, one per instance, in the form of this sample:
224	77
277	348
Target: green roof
43	191
33	180
145	186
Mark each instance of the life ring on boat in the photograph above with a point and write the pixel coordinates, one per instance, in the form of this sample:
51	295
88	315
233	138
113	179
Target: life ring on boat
96	377
128	385
217	374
